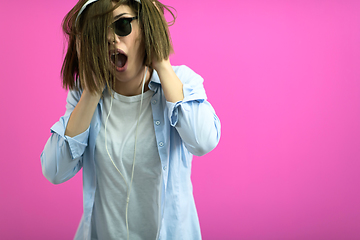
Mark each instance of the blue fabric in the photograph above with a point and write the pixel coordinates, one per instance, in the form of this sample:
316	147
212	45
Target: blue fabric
189	127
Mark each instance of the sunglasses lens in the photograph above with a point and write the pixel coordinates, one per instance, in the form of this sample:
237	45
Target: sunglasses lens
122	27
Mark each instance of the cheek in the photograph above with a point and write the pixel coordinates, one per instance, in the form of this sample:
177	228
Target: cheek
137	50
137	40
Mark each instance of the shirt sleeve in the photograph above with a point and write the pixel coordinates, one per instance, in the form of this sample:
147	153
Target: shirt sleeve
77	144
194	118
61	158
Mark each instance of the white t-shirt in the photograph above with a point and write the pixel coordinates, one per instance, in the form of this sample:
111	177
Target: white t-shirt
108	219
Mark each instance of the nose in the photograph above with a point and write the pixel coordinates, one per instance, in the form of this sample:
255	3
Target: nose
112	37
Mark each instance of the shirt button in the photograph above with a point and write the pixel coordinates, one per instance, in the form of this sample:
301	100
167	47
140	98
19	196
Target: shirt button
154	101
164	168
161	144
157	123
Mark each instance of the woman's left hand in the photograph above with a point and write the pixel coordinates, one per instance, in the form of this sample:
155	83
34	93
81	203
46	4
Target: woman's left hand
162	65
170	82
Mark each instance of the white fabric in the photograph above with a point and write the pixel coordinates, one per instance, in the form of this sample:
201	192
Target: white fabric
90	2
108	220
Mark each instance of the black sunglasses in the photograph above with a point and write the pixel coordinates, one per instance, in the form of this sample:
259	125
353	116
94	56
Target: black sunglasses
122	26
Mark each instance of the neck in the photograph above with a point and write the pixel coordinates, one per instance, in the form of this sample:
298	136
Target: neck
133	87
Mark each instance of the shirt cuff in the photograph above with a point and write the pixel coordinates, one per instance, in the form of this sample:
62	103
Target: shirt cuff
173	111
77	143
173	108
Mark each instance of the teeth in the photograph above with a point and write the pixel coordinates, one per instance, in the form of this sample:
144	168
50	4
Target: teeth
115	54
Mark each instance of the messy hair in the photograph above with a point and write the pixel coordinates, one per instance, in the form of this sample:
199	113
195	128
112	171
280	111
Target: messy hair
91	29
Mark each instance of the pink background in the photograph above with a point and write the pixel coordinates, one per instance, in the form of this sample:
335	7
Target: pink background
283	77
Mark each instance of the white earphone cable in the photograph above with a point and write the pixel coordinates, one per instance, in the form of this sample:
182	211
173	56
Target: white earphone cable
128	187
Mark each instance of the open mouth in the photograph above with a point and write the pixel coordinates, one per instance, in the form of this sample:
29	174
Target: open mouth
119	59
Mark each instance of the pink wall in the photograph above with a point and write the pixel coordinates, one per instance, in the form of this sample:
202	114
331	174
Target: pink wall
283	77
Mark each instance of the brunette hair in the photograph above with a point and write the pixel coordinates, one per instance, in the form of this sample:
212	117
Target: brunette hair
90	31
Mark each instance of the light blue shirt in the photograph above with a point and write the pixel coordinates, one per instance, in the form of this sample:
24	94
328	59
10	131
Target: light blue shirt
183	129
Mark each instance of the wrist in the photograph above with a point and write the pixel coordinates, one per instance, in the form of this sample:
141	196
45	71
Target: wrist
90	97
163	67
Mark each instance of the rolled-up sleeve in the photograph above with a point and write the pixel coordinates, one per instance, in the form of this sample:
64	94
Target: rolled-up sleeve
194	118
61	158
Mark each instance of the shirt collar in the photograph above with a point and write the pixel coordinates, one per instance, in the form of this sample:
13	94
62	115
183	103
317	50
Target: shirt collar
154	83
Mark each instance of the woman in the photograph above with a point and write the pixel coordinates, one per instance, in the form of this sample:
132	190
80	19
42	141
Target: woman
132	122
